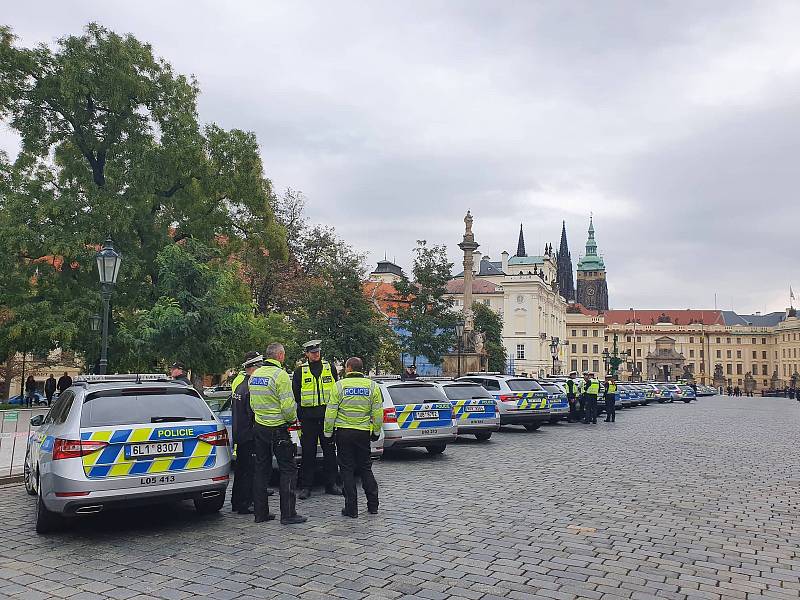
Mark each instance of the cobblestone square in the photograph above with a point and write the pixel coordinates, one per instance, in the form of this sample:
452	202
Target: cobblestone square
672	501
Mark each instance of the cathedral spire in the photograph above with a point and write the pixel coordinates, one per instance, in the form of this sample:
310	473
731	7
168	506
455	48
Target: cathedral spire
564	263
521	243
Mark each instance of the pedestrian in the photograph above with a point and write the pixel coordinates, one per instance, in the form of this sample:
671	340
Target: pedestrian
730	391
63	382
312	384
791	393
736	392
242	429
30	390
177	371
50	389
582	396
610	397
274	408
409	374
355	416
573	391
591	391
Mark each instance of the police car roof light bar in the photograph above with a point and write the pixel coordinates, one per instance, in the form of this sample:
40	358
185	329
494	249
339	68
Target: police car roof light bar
134	377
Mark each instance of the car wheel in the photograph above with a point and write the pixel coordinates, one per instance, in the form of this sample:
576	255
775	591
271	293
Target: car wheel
555	420
207	506
27	476
482	436
46	521
437	449
687	400
533	426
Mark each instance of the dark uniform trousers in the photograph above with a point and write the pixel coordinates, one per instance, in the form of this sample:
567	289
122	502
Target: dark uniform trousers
590	409
269	440
311	433
243	471
611	412
353	451
573	409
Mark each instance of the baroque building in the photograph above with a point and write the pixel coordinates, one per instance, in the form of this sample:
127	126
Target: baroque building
592	289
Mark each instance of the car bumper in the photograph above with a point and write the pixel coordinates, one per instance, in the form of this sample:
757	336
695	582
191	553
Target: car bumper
400	439
523	417
484	425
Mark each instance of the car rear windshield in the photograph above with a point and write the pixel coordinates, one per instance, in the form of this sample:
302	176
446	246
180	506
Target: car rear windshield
551	388
415	394
465	392
104	409
523	385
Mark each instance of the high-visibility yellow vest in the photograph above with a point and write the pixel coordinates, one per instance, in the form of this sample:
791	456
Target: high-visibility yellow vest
611	388
237	380
271	396
593	388
356	403
316	391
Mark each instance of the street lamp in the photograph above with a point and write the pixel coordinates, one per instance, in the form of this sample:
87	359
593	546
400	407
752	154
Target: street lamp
459	339
108	263
554	341
606	359
94	322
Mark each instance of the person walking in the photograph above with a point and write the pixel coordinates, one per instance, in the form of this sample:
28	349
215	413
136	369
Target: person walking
177	371
573	391
611	397
30	391
63	382
242	429
409	374
50	389
591	391
355	416
274	408
312	383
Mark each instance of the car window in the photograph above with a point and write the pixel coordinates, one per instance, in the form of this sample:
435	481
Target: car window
551	388
58	413
490	384
523	385
415	394
466	391
114	408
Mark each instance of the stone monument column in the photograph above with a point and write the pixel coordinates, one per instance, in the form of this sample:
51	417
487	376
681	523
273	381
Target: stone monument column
468	246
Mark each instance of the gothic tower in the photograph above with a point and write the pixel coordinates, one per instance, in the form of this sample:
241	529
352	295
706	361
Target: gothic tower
592	289
565	282
521	243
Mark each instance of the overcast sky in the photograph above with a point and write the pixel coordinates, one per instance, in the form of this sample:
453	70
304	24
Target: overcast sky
677	124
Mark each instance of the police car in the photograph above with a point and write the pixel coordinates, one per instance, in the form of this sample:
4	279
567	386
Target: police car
416	414
670	392
557	400
121	440
521	401
688	393
474	409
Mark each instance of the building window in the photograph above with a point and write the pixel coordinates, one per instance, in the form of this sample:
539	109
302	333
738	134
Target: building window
639	367
628	339
638	352
595	333
755	369
573	364
753	340
585	348
520	351
755	354
764	355
719	353
605	338
574	333
738	340
595	366
691	340
702	367
585	333
738	368
728	340
764	370
764	341
595	349
702	354
574	348
584	365
638	338
738	354
729	369
729	354
691	353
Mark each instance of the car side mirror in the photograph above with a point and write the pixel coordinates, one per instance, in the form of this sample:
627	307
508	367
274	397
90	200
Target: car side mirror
37	420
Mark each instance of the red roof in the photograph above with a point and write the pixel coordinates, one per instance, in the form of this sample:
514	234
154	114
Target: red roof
675	317
383	296
479	286
577	307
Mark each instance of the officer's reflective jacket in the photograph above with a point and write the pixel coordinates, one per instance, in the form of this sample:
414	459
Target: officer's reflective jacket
573	388
316	390
271	395
593	387
356	403
611	389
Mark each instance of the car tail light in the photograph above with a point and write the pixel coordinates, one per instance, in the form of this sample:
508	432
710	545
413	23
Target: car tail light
389	415
215	438
75	448
221	478
70	494
507	398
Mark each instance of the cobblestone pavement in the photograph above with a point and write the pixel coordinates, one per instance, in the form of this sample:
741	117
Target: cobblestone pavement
672	501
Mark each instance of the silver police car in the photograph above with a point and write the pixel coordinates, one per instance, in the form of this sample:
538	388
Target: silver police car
122	440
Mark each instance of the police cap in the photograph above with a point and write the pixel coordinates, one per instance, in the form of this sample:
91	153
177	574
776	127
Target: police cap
252	359
178	365
312	345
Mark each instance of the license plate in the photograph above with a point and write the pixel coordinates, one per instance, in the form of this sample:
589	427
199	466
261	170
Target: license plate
428	431
157	479
473	408
153	449
428	414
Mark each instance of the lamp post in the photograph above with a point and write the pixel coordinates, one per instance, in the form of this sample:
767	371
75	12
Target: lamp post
554	342
606	359
614	359
108	263
459	339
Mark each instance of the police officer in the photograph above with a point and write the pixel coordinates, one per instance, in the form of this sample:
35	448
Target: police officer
573	392
274	409
243	420
312	383
177	371
611	397
591	389
355	415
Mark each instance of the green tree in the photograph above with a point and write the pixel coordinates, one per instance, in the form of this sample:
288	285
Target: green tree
426	317
112	145
490	324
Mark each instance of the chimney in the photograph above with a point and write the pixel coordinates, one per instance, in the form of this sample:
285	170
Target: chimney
476	261
504	262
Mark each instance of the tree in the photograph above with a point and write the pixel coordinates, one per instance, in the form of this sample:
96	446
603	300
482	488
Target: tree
425	316
111	145
490	324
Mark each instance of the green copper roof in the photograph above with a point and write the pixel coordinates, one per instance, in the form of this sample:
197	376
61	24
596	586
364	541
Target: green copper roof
591	261
525	260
